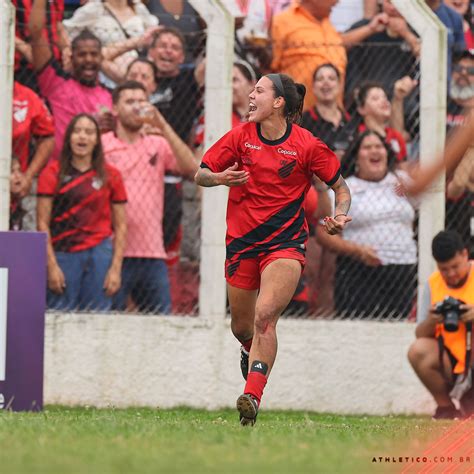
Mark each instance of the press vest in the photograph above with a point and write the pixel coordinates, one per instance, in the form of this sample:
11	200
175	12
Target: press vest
454	341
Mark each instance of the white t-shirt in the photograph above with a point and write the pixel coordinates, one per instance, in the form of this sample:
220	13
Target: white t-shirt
346	13
382	219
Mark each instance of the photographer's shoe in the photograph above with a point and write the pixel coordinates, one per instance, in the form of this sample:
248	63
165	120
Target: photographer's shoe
244	362
447	413
248	409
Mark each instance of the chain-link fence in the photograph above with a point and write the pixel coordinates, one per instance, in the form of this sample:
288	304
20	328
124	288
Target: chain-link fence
74	67
370	272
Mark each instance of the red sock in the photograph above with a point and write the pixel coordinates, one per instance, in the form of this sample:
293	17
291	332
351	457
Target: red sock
247	345
256	382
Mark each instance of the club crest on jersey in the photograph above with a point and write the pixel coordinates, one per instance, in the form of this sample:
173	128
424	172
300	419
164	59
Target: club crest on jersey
247	160
153	160
96	182
286	169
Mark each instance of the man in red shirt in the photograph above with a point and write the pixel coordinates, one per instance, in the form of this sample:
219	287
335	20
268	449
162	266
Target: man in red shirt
31	119
32	144
268	163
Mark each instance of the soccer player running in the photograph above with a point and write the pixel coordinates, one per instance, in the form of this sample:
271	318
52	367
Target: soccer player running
268	163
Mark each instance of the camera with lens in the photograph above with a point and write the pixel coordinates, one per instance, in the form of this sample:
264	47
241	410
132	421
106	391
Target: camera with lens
450	309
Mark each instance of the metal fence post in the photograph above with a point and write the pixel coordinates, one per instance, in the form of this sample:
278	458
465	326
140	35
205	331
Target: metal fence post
218	109
433	87
7	36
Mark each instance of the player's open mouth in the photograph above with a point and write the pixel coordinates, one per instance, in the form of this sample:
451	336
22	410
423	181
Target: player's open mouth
252	107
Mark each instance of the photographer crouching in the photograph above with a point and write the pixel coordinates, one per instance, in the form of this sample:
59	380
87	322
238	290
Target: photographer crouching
444	330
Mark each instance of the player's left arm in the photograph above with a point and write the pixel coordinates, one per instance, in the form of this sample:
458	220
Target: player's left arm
335	224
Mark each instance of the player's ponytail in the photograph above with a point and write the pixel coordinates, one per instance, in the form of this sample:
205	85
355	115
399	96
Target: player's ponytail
293	93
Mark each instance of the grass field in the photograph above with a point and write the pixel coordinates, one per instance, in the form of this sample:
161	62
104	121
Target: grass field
79	440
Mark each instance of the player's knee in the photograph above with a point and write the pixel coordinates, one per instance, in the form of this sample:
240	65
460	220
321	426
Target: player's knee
264	320
241	329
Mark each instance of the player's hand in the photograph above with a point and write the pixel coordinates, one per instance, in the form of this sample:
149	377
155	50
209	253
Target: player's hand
231	177
112	281
403	87
467	314
56	279
368	256
335	225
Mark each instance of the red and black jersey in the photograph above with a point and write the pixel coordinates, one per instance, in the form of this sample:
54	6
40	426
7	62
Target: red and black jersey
54	15
30	118
81	216
267	213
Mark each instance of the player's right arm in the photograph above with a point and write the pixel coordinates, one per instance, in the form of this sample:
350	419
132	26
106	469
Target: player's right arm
220	165
229	177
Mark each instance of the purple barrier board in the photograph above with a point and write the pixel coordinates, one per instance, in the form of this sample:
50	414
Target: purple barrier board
22	308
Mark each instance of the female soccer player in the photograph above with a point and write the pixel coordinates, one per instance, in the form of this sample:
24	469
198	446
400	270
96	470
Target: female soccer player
268	163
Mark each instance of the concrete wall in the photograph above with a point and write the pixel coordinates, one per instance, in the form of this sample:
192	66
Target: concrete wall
325	366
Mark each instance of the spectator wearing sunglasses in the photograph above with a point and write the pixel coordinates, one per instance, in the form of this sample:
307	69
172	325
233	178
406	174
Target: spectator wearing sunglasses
461	90
459	190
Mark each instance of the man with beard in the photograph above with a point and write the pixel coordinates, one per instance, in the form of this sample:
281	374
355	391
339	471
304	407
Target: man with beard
68	95
459	195
461	91
143	161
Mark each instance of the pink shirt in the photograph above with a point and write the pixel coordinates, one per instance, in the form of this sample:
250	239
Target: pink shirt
67	98
142	165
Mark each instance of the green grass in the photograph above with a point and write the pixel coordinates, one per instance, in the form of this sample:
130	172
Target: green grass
79	440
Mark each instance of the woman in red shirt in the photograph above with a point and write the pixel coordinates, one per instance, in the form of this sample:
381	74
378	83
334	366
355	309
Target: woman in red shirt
81	203
268	163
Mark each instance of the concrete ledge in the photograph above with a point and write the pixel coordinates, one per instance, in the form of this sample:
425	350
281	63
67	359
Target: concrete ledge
326	366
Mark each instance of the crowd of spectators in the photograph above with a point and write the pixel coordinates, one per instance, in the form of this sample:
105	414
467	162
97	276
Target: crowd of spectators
122	82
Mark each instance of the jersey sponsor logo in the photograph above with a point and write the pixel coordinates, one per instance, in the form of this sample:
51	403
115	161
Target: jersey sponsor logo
286	152
287	169
253	147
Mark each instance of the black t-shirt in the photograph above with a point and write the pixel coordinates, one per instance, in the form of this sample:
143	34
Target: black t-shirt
459	211
379	58
189	23
336	138
178	99
455	115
